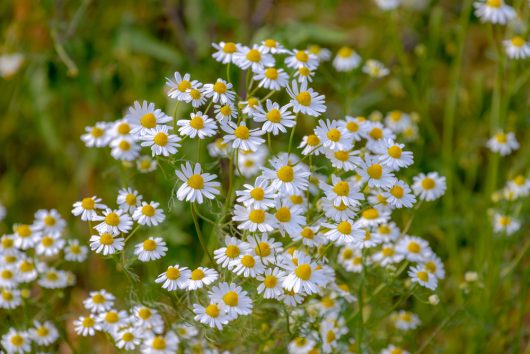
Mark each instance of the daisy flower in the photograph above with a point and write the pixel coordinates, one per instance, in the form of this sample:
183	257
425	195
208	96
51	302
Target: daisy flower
433	264
333	136
114	222
232	299
271	78
247	265
375	133
151	249
241	137
517	48
337	213
197	185
199	125
252	58
265	248
178	88
310	145
375	69
304	75
505	224
342	192
195	96
224	113
399	195
392	155
124	149
128	338
211	315
310	237
175	277
519	186
387	255
233	248
415	249
145	117
405	320
10	299
200	277
26	270
149	214
106	244
15	341
253	219
271	283
392	349
87	208
503	143
99	301
304	277
368	240
160	141
323	54
219	92
160	344
50	244
249	106
387	5
276	118
291	298
375	173
25	236
128	199
272	46
111	320
346	59
286	177
305	100
146	164
148	318
356	126
397	121
261	195
8	277
219	148
54	279
494	11
224	52
97	136
343	232
347	160
289	219
301	59
418	274
429	187
74	252
120	129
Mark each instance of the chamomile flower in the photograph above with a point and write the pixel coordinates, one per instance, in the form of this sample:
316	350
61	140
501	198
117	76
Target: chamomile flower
124	149
120	129
261	195
375	133
368	239
266	248
15	341
54	279
415	249
224	113
387	255
211	315
429	186
224	51
304	75
252	58
418	274
8	277
219	148
87	208
392	349
97	136
160	141
253	219
232	299
175	277
310	237
393	155
151	249
337	213
99	301
106	244
347	160
148	318
399	195
291	298
301	59
519	186
517	48
160	344
271	283
146	164
405	320
285	176
201	277
289	219
233	248
304	277
114	222
195	96
220	92
375	69
433	264
247	265
323	54
346	59
272	46
311	145
149	214
376	173
271	78
342	192
199	125
75	252
305	100
178	88
387	5
276	119
25	236
503	143
494	11
397	121
128	199
26	270
388	231
110	321
128	338
144	117
505	224
197	185
249	106
241	137
10	298
343	232
333	136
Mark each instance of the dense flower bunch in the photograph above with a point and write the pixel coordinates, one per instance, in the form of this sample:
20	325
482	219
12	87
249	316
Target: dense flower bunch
30	273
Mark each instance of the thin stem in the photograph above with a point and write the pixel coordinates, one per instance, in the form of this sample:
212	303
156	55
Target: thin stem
199	234
292	135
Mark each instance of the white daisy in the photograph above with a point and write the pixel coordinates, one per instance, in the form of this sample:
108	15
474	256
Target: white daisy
346	59
232	299
198	125
160	141
494	11
289	219
261	195
114	222
211	315
375	172
276	118
106	244
151	249
97	136
271	283
149	214
399	195
430	186
50	244
87	208
387	255
124	149
333	136
74	252
175	277
415	249
15	341
304	277
233	248
241	137
418	274
200	277
128	338
375	68
505	224
10	299
253	219
305	100
145	117
266	248
347	160
197	185
311	145
25	236
252	58
195	96
160	344
392	155
178	88
301	59
224	52
342	192
219	92
517	48
503	143
247	265
272	46
128	199
343	232
225	113
286	177
271	78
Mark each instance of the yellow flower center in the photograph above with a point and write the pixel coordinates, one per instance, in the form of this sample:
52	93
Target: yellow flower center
270	281
195	94
257	193
304	98
370	214
158	343
184	85
172	273
130	199
75	249
283	214
124	128
98	299
17	340
274	116
197	274
396	351
314	49
397	191
285	174
395	116
342	189
212	310
88	322
388	251
220	87
97	132
242	132
376	133
501	138
375	171
196	182
26	267
330	336
505	220
231	298
127	337
7	295
23	230
232	251
197	122
254	55
303	271
148	120
52	276
144	313
252	102
414	247
345	52
7	242
7	274
428	183
494	3
257	216
519	180
225	110
352	126
111	317
394	151
112	219
342	155
344	228
148	210
248	261
149	245
271	43
347	253
124	145
302	56
313	140
423	276
106	239
296	199
518	41
263	249
334	134
271	73
430	266
161	139
307	233
229	48
303	71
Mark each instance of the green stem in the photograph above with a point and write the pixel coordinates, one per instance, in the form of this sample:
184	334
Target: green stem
199	234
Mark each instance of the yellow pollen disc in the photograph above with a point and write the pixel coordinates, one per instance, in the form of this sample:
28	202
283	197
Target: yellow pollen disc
375	171
406	316
98	299
397	351
274	116
376	133
148	210
226	110
303	71
394	151
271	73
161	139
397	191
383	229
229	48
285	174
357	261
252	102
7	242
52	276
296	199
504	220
347	254
124	128
330	336
254	55
248	261
231	298
197	274
197	122
149	245
7	295
342	155
271	43
313	140
257	216
270	281
341	189
518	41
96	132
124	145
23	230
345	52
106	239
344	228
184	85
428	183
370	214
413	247
344	287
263	249
16	340
304	98
6	274
158	343
212	310
145	164
111	317
88	322
112	219
395	116
494	3
242	132
388	251
195	94
172	273
130	199
519	180
248	163
367	235
423	276
283	214
127	337
148	120
314	49
352	126
303	271
196	182
220	144
341	207
220	87
257	193
144	313
232	251
501	138
26	267
307	233
430	266
302	56
334	134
